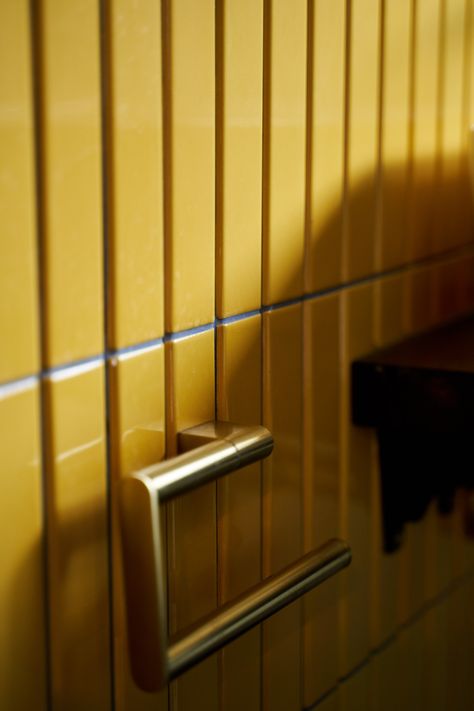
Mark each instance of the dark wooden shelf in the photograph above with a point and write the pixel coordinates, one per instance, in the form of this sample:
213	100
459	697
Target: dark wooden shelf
425	382
419	395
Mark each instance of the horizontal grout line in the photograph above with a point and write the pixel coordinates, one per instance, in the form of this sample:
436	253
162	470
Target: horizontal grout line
143	346
179	335
112	353
388	641
12	387
238	317
82	362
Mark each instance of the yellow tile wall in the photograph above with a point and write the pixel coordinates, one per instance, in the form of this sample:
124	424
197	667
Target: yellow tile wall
167	168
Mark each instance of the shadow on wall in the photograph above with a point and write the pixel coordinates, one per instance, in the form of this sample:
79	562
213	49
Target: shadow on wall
434	216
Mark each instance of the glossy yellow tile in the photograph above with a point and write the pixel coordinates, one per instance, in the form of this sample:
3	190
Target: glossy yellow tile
189	100
465	187
239	387
450	290
282	499
435	659
357	452
419	557
321	407
459	663
77	538
469	629
469	76
135	170
284	149
449	227
385	686
22	610
323	258
71	181
18	259
192	527
420	296
137	411
385	579
331	702
239	155
394	131
427	27
354	694
411	665
362	137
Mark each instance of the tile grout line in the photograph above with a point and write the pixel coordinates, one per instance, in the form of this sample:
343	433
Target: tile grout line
104	68
108	354
431	604
36	90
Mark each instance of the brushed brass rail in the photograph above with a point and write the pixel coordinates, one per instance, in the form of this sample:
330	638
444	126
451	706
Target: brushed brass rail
210	451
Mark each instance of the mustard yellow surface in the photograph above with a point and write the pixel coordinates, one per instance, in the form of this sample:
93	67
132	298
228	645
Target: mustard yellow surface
386	586
137	392
204	158
77	539
71	179
322	487
189	162
357	476
449	225
192	526
282	499
427	24
361	135
323	258
239	200
22	583
331	702
395	133
385	687
18	256
411	654
135	155
284	149
355	692
239	387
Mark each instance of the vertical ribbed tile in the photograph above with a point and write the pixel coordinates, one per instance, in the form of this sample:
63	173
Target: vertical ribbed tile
362	137
411	667
239	388
357	452
331	702
137	404
284	149
397	18
388	328
239	155
192	526
18	258
282	500
77	538
436	694
385	677
23	662
354	693
70	182
323	259
135	171
189	100
322	487
419	555
450	230
427	22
